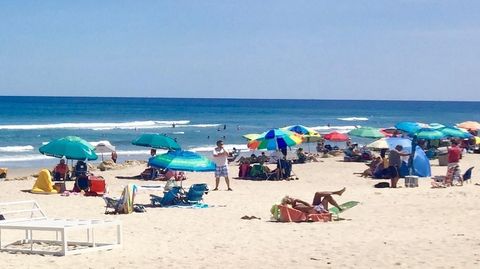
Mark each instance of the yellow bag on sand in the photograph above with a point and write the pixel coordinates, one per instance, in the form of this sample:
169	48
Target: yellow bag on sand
44	183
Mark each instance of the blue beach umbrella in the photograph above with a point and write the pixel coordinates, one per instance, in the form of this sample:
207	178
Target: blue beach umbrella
300	129
181	160
410	126
455	132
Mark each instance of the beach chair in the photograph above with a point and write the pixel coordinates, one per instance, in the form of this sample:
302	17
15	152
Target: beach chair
467	176
196	192
27	216
123	205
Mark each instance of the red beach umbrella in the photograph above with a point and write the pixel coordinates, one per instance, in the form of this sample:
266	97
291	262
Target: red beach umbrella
336	137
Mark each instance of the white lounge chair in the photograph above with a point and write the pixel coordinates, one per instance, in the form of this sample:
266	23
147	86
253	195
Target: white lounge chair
28	216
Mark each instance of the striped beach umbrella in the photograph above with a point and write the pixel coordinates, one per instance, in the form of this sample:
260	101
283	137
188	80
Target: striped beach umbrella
182	160
70	147
275	139
410	126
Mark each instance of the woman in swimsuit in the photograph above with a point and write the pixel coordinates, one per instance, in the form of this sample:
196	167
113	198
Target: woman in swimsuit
319	204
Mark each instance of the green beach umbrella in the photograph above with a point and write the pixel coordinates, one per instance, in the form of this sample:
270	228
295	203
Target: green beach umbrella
455	132
157	141
429	134
367	132
70	147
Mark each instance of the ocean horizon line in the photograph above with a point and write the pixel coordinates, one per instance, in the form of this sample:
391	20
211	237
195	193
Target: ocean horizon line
234	98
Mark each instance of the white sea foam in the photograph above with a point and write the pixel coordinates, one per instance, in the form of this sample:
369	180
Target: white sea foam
203	125
178	132
97	125
353	119
16	149
341	129
23	158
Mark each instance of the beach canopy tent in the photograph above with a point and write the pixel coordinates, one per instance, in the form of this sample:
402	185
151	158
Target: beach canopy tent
275	139
455	132
69	147
469	125
391	143
429	134
420	163
366	132
157	141
410	126
336	137
182	160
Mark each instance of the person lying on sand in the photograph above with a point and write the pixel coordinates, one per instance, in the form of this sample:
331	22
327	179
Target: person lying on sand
319	204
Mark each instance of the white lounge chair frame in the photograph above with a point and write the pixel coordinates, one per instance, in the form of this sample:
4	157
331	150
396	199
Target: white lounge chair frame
38	221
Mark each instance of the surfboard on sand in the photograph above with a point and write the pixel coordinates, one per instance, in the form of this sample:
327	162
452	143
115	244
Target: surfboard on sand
344	206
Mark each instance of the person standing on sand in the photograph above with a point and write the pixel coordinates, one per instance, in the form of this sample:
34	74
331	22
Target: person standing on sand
220	157
114	156
395	162
453	170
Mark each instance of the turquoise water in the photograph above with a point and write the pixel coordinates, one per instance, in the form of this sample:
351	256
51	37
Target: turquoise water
28	122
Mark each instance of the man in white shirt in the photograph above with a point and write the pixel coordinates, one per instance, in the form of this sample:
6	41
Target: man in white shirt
220	157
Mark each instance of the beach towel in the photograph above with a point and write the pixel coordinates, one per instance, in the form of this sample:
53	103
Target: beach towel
43	184
344	206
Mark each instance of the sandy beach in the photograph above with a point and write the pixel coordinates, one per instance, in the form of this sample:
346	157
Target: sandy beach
391	228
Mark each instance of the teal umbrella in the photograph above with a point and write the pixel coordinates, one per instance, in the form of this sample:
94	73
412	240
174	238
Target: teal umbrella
181	160
367	132
429	134
158	141
70	147
455	132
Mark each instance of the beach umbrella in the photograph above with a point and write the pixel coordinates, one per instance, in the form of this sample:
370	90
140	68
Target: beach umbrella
181	160
429	134
275	139
157	141
70	147
469	125
436	125
389	132
300	129
250	136
455	132
367	132
336	137
410	126
391	143
104	147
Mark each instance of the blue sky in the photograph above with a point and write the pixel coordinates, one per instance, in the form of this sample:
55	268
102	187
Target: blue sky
402	50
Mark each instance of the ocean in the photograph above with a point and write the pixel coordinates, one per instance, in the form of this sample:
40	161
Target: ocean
28	122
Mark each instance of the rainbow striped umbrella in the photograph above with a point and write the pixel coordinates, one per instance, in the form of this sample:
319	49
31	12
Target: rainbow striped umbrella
275	139
182	160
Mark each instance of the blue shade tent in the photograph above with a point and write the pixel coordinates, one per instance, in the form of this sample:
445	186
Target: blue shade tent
181	160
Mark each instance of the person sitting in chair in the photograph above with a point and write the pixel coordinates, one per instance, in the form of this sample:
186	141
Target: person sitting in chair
81	168
60	172
320	203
